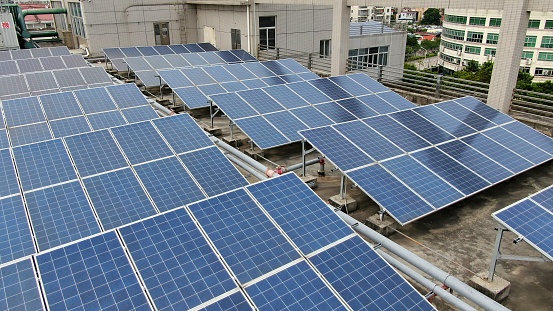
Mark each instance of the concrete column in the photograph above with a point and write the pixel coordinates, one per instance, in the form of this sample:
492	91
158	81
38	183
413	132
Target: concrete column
509	50
340	37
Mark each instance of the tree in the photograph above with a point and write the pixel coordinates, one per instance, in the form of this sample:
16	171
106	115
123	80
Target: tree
411	46
431	16
431	45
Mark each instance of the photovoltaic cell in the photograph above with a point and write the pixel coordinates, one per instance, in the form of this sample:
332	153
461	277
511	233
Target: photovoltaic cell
207	46
220	74
18	287
330	89
92	274
4	143
29	134
8	179
465	115
137	114
233	105
137	64
182	133
287	123
94	75
147	50
39	81
445	121
357	108
21	54
60	214
211	58
115	206
243	55
375	145
8	67
211	89
140	142
260	101
157	62
484	110
176	61
396	133
525	132
285	96
74	61
174	78
544	198
131	52
127	95
234	302
276	67
59	50
172	190
197	76
13	85
95	152
396	100
213	171
104	120
368	82
311	116
240	72
518	145
15	236
22	111
195	59
29	65
350	85
254	83
293	65
60	105
250	250
258	69
377	104
228	56
179	48
179	268
309	93
263	134
68	77
233	86
295	78
422	127
70	126
163	49
335	112
52	63
36	53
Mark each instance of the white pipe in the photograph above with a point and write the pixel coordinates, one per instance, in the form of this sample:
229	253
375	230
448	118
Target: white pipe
246	167
299	165
258	166
166	111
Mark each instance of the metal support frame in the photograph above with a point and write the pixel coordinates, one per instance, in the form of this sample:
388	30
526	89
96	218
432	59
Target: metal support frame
160	87
304	154
212	112
343	183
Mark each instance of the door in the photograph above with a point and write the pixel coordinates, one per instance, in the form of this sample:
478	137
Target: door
209	35
161	33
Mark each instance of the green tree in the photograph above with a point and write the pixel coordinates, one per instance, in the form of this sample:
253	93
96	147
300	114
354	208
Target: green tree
524	81
431	16
411	46
409	66
543	87
431	45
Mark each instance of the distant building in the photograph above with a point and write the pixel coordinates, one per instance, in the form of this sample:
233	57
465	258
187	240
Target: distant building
406	16
474	34
40	21
372	13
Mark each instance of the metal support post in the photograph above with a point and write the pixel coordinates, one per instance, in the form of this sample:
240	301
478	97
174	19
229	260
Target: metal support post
379	73
211	114
160	87
496	253
343	182
231	130
277	53
438	93
309	61
303	155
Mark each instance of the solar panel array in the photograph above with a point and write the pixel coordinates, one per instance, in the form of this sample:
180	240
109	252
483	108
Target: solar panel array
194	85
272	116
54	81
13	67
272	245
117	55
532	219
61	190
33	119
146	67
34	53
417	161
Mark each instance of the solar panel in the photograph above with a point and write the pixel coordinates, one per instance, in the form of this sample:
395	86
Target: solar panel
285	96
261	132
157	62
13	85
197	76
234	302
260	101
131	52
163	49
104	278
40	81
27	134
138	64
233	86
211	58
368	82
258	69
113	53
69	126
349	85
59	50
182	133
397	133
15	235
95	100
137	114
22	111
68	77
357	108
277	67
141	143
228	56
330	89
4	143
179	48
53	63
147	50
193	48
309	93
127	95
422	127
176	61
220	74
8	180
243	55
8	67
29	65
19	289
287	124
211	89
470	118
21	54
396	100
240	72
74	61
36	53
207	46
311	116
335	112
95	75
195	59
105	120
233	105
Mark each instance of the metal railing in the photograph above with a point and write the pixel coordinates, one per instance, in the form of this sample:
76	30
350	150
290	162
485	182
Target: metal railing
319	64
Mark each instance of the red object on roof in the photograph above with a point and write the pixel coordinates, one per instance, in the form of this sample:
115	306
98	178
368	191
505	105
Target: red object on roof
40	18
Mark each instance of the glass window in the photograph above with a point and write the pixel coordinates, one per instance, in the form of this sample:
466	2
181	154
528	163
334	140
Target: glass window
368	57
475	36
450	59
525	69
548	24
527	54
478	21
530	41
235	39
451	45
543	72
76	14
546	56
489	51
472	49
492	38
495	22
454	34
324	48
534	23
547	42
267	32
456	19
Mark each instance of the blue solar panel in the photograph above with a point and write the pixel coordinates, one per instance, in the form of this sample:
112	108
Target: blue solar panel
233	105
234	302
95	153
311	116
43	164
357	108
211	89
285	96
498	153
4	142
149	78
163	49
157	62
276	67
182	133
377	104
174	78
465	115
15	235
207	165
244	56
60	214
60	105
8	179
293	78
195	59
168	191
69	77
396	100
141	142
240	72
335	112
118	198
366	281
127	95
207	46
74	61
8	67
179	48
105	120
137	114
228	56
375	145
445	121
192	97
425	183
396	133
70	126
477	162
330	89
422	127
254	83
212	58
29	134
368	82
484	110
22	111
18	287
287	123
260	101
95	100
258	69
315	227
91	275
533	222
193	47
337	148
179	268
518	145
234	86
309	93
40	81
29	65
220	74
250	250
350	85
451	171
308	76
176	61
403	204
263	134
147	50
273	81
52	63
544	198
296	288
523	131
113	53
293	65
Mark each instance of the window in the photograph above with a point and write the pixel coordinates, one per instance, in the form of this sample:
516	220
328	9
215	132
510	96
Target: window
548	24
530	41
475	36
324	48
493	38
543	72
267	32
76	14
454	34
451	45
546	56
59	19
235	39
534	23
527	54
489	51
547	42
478	21
456	19
368	57
495	22
473	49
450	59
525	69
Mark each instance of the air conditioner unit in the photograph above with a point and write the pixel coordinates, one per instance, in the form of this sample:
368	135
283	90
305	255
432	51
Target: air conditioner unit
489	57
528	61
459	52
545	73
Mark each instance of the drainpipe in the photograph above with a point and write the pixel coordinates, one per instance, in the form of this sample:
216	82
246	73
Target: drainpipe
300	165
423	265
21	17
253	163
246	167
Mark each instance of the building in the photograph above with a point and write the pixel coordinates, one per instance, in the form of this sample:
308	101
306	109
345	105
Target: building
372	13
406	16
474	35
